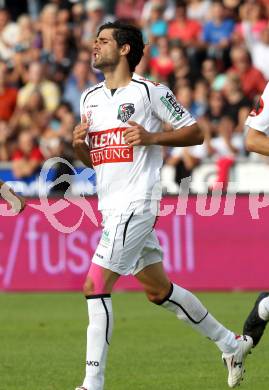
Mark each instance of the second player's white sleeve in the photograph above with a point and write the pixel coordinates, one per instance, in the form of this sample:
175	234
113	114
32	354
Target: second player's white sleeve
167	109
258	118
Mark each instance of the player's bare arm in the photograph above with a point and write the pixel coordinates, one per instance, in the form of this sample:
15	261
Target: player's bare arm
16	202
186	136
257	141
82	150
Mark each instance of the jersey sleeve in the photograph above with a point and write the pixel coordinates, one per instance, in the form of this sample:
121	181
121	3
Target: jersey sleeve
258	118
167	109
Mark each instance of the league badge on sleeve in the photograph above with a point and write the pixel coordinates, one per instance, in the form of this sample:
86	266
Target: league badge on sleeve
125	111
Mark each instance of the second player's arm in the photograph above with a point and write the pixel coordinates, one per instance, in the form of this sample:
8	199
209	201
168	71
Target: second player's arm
16	201
185	136
258	142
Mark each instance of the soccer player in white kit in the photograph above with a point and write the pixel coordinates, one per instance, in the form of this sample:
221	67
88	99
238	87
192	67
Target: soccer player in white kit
16	202
120	136
257	140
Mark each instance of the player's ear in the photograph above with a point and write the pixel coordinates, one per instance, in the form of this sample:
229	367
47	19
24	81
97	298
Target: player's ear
125	49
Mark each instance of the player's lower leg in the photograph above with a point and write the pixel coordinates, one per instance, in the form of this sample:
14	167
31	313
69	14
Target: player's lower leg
188	308
235	348
99	333
258	318
97	288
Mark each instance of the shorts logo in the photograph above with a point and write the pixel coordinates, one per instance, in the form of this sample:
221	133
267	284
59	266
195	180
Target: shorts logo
125	111
108	146
105	239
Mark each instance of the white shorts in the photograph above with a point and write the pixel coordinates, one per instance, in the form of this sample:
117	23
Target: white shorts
129	243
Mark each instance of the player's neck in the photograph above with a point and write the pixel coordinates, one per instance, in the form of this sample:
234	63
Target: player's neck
116	78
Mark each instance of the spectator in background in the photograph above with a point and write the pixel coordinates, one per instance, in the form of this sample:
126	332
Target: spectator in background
56	142
182	72
187	31
37	81
77	16
250	14
161	67
217	33
32	117
9	33
4	145
252	80
168	6
223	143
23	56
4	18
237	108
265	5
212	75
60	59
156	27
27	159
200	98
129	10
80	79
61	124
8	95
48	25
259	49
27	35
96	16
198	10
63	17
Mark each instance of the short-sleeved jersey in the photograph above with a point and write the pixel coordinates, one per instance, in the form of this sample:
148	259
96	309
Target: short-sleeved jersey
258	118
125	173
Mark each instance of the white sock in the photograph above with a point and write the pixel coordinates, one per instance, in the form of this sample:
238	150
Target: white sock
99	334
263	309
189	309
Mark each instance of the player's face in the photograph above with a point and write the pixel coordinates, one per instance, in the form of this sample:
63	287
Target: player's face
105	50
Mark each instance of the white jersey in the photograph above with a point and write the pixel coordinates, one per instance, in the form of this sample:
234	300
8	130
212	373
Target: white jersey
125	173
258	118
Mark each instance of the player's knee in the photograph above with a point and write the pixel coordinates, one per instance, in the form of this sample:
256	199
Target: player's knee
88	287
157	296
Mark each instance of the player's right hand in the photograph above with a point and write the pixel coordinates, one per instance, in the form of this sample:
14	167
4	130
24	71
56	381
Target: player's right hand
80	132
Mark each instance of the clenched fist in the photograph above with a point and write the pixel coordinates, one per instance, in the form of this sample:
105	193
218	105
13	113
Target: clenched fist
137	135
80	132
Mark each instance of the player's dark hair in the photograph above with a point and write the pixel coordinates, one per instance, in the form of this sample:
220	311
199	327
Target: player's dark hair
127	33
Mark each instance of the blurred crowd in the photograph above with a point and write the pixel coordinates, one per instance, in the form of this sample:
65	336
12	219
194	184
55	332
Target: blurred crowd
214	55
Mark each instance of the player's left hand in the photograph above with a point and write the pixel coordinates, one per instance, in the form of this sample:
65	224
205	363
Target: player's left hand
137	135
